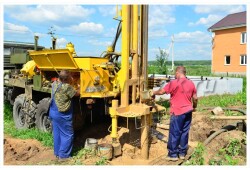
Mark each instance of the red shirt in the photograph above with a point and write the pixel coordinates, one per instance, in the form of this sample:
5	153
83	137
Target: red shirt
181	92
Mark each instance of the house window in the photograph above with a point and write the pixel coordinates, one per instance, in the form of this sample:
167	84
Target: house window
243	39
243	59
227	60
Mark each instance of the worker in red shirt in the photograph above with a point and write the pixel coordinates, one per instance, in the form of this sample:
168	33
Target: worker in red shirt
183	101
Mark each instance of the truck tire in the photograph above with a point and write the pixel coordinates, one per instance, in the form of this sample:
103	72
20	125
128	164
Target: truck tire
24	112
43	122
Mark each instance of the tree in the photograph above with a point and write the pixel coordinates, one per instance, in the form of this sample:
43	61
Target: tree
162	61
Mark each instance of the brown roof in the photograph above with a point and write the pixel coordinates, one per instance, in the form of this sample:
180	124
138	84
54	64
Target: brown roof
230	21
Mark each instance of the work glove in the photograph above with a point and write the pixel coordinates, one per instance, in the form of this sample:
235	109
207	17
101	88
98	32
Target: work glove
151	94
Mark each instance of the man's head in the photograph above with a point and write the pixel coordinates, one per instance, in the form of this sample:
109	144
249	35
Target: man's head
65	76
180	72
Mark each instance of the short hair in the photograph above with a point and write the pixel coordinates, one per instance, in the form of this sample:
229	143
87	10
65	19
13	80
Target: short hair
181	69
64	75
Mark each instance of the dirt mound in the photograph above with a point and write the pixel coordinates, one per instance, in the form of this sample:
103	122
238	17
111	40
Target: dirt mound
20	152
202	126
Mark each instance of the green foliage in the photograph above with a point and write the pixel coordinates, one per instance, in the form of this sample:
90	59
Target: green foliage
83	153
102	161
164	103
226	156
161	61
197	156
9	128
233	148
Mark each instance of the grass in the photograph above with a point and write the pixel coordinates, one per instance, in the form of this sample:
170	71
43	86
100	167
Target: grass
225	100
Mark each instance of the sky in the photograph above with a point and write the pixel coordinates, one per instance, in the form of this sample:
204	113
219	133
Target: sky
91	28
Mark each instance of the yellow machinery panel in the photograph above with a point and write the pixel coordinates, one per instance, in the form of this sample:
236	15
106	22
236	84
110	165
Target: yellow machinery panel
54	59
88	62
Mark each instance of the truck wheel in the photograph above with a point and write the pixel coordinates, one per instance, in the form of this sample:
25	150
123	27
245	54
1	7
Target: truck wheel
24	112
43	122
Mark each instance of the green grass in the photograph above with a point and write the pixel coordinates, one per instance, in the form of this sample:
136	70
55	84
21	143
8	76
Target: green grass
225	100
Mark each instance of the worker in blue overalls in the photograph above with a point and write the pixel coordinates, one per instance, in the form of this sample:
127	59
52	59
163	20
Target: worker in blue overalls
61	114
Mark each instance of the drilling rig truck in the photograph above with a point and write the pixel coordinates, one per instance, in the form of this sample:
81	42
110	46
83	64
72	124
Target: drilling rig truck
114	84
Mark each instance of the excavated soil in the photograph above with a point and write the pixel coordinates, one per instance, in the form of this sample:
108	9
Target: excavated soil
31	152
25	152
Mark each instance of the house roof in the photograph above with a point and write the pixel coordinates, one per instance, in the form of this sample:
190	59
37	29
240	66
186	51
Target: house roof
230	21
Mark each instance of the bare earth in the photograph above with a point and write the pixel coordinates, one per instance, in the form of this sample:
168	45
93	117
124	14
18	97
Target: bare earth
31	152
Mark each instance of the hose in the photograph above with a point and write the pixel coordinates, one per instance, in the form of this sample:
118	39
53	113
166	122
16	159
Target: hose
224	129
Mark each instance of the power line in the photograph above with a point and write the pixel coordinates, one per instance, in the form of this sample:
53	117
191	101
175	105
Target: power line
102	37
52	33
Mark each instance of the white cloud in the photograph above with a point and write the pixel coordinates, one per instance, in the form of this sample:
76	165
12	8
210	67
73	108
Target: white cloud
86	27
209	21
61	42
48	13
196	37
99	43
40	35
193	52
225	9
108	10
161	15
192	46
157	34
18	29
216	13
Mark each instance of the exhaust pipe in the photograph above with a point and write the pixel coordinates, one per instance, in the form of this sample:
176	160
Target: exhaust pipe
36	42
53	43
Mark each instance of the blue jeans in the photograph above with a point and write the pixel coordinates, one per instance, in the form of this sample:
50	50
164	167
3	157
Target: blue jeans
178	134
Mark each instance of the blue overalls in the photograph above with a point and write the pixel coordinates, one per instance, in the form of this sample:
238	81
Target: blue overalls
63	132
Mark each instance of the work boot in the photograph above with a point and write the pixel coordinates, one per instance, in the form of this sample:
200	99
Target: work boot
172	158
64	159
182	157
